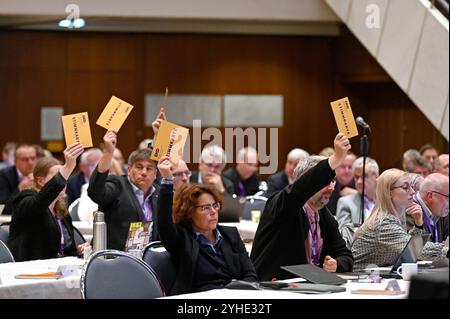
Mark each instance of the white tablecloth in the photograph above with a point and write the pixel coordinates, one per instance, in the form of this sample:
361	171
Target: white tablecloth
63	288
246	228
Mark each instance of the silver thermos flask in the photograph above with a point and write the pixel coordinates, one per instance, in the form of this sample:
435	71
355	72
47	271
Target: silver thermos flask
99	231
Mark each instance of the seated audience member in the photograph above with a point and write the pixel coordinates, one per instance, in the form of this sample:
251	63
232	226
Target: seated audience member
285	177
327	151
15	179
348	212
295	228
345	183
416	181
181	174
244	175
41	226
407	156
118	157
382	238
8	155
432	197
41	152
88	160
205	254
429	153
212	163
419	165
441	164
124	199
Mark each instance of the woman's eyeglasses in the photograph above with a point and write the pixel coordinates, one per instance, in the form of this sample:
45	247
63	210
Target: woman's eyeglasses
207	207
406	187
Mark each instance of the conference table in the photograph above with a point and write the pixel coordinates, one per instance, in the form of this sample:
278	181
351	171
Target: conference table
62	288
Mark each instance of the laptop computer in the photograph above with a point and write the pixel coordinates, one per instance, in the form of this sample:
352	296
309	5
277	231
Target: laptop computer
232	210
314	274
410	253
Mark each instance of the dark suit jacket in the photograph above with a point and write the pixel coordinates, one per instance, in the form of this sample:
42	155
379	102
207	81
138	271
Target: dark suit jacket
277	182
74	184
115	197
283	228
8	188
229	188
34	231
251	185
184	249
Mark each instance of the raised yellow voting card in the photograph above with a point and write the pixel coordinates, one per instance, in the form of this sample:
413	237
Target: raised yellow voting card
77	129
170	142
114	114
344	117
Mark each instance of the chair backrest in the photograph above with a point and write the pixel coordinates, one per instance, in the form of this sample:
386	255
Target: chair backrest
5	254
158	258
113	274
4	234
78	236
73	210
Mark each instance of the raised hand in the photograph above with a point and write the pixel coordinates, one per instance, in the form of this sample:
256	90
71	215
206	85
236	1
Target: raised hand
156	124
341	147
71	154
165	167
110	141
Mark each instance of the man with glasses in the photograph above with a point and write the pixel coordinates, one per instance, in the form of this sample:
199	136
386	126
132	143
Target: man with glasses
16	178
212	163
181	175
432	197
88	160
124	199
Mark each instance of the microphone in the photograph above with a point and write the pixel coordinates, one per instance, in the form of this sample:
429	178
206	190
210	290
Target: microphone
360	121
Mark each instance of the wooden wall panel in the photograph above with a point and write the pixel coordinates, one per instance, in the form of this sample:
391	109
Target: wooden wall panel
80	71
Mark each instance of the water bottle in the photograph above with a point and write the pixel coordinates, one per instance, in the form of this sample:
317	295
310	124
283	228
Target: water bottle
99	231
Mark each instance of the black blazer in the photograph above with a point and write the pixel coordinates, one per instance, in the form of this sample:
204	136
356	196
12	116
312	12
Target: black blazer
277	182
115	197
251	185
9	181
229	188
34	231
74	184
184	249
283	228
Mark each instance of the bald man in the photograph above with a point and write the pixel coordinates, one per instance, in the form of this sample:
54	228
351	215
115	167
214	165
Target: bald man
441	164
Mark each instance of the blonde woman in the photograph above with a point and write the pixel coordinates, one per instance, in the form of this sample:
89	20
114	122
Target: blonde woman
381	239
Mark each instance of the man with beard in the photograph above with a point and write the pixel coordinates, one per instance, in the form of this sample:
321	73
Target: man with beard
294	227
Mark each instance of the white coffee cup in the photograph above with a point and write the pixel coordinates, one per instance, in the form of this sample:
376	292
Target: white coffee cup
407	270
256	214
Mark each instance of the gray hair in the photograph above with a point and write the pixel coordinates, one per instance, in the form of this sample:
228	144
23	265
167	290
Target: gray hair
411	153
418	161
244	151
89	153
214	151
370	163
297	154
306	164
432	182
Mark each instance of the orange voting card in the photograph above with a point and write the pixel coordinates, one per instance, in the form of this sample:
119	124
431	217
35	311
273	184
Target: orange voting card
114	114
76	129
344	117
170	142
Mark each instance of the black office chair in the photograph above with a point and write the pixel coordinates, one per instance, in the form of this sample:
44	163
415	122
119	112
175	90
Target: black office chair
4	234
5	254
254	202
78	236
113	274
73	210
158	258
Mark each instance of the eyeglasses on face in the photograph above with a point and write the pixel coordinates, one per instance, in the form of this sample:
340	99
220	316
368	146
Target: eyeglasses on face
436	192
180	174
406	187
207	207
213	166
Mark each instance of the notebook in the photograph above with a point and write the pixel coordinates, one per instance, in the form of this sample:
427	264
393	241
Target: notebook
314	274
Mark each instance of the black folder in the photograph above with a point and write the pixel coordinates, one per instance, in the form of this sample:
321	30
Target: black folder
314	274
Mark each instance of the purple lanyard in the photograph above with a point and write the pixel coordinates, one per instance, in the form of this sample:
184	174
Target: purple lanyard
61	244
430	224
314	244
241	189
148	209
